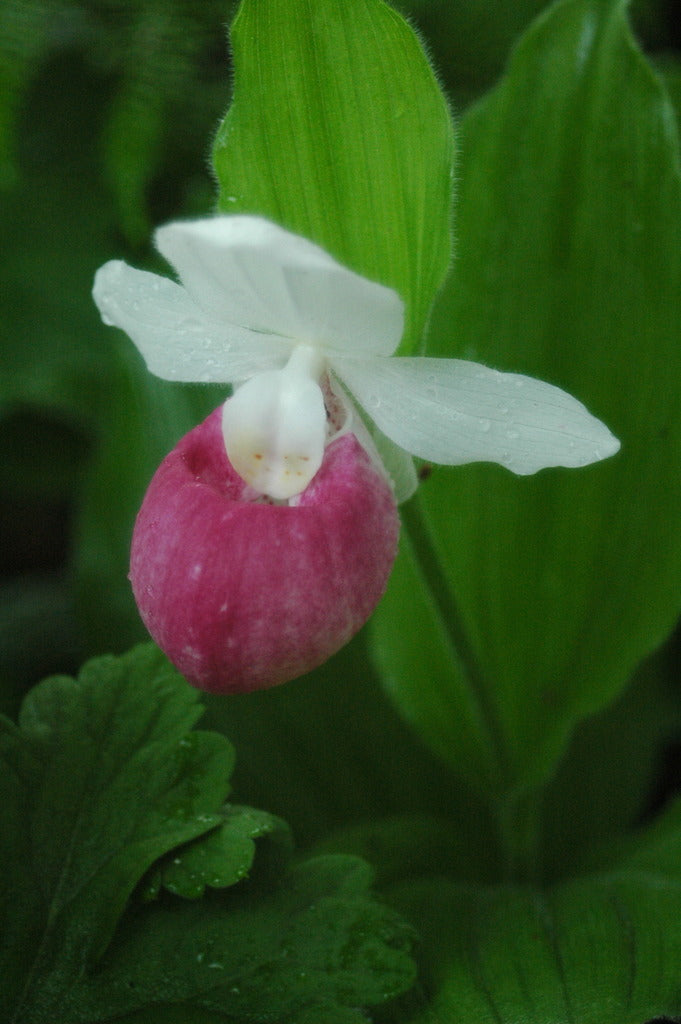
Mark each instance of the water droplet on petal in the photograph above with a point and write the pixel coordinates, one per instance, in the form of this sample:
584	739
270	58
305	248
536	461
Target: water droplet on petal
484	425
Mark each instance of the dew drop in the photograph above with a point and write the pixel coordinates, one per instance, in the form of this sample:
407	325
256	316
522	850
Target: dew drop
485	426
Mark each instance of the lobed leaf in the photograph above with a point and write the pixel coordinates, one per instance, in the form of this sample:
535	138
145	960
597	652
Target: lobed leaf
224	856
317	944
100	778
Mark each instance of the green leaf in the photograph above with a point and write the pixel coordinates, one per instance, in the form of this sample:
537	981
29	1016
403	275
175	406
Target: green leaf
100	778
603	949
534	600
610	773
317	942
223	857
338	130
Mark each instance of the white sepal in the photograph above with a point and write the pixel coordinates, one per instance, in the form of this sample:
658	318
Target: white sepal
248	271
452	412
175	336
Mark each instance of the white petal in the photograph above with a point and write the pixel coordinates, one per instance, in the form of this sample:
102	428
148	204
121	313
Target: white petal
450	411
176	338
247	271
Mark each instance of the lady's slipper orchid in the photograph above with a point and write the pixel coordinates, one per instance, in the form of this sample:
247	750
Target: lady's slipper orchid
262	547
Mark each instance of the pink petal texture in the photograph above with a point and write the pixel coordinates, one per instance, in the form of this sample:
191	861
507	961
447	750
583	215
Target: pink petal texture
242	594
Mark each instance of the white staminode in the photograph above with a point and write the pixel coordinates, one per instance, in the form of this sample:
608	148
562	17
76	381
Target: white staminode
274	426
260	305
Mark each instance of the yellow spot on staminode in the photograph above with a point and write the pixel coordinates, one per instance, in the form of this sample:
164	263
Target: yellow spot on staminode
257	455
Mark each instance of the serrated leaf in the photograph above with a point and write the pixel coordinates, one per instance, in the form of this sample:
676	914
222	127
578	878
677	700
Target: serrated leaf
603	949
100	778
224	856
549	591
318	942
338	131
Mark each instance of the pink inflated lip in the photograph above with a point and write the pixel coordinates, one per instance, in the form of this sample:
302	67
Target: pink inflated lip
243	594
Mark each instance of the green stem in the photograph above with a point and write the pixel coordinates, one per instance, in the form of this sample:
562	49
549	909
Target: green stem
519	820
517	816
452	621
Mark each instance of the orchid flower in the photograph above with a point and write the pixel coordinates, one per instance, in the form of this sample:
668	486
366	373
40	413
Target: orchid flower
273	313
267	535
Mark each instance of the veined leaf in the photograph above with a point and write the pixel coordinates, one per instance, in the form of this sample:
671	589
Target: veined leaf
603	949
550	590
338	130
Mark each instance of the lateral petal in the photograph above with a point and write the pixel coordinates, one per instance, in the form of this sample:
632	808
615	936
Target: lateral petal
451	411
176	338
248	271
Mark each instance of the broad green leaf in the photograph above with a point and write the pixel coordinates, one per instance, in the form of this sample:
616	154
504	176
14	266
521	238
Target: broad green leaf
611	772
223	857
550	590
599	951
602	949
318	943
100	778
338	130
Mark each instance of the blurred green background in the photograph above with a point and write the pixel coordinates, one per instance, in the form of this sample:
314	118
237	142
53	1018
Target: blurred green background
107	113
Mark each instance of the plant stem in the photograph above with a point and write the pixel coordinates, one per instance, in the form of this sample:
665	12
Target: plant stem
517	814
518	817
